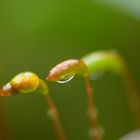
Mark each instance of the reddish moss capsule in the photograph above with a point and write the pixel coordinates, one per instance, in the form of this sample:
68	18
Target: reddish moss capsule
64	71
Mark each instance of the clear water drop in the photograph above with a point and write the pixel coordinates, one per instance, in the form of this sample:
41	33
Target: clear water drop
49	114
102	131
93	114
66	78
96	75
94	132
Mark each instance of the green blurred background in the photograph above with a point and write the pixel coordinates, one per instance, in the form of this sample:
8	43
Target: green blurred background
37	34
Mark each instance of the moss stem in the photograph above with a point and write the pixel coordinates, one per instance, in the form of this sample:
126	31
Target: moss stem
96	135
133	95
4	127
55	117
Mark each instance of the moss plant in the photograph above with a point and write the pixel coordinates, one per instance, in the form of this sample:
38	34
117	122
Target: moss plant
28	82
64	72
87	67
103	61
92	64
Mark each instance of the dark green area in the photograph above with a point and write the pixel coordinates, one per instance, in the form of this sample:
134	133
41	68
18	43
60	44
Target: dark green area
36	35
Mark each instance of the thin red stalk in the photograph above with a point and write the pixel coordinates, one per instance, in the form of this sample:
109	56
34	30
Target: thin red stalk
133	95
56	120
96	135
4	128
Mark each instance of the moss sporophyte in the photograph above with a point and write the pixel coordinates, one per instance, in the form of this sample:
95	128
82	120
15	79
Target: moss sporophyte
90	65
28	82
87	67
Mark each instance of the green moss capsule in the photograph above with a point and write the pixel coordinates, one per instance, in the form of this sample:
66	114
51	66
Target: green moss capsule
103	61
25	82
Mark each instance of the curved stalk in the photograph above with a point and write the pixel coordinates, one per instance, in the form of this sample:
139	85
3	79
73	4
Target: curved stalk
4	127
133	95
92	112
55	117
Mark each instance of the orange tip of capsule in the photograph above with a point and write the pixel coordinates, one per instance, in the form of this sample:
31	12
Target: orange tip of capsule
4	93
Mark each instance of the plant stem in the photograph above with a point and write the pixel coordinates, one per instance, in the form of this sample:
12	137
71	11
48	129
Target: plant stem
56	120
133	95
96	135
4	128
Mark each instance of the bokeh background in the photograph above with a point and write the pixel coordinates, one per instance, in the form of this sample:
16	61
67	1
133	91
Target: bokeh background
37	34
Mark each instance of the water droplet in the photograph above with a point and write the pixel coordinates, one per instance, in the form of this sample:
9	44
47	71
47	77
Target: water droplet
66	78
102	131
113	51
96	75
95	132
49	113
93	114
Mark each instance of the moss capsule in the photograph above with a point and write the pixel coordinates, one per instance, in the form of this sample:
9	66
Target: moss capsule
25	82
103	61
66	70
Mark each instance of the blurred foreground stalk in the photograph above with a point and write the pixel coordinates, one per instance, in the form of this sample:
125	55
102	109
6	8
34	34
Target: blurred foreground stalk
56	120
4	128
133	95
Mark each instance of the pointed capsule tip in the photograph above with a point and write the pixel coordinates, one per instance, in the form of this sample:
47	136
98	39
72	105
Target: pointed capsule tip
4	93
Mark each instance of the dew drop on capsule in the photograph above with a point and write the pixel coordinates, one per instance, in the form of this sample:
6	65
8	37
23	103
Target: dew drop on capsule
66	78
